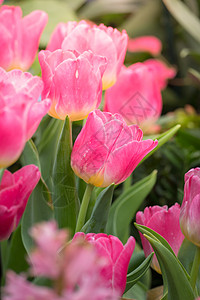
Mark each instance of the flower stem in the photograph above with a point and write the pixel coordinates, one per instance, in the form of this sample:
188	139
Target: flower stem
1	173
84	207
195	268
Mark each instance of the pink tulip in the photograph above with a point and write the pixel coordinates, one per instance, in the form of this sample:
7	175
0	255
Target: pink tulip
136	96
20	112
118	255
101	40
190	209
161	71
19	38
107	150
72	82
15	190
165	222
149	44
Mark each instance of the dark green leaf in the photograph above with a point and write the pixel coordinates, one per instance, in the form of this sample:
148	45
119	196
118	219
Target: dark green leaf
98	220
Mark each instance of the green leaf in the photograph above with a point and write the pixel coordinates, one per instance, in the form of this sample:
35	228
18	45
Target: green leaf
162	139
1	173
37	210
138	291
16	247
65	198
30	155
99	217
184	16
178	285
135	275
126	205
186	256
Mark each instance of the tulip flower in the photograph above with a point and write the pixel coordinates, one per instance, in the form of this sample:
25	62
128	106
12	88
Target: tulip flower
136	96
161	71
19	38
20	112
118	255
101	40
72	82
149	44
165	222
190	208
15	190
107	150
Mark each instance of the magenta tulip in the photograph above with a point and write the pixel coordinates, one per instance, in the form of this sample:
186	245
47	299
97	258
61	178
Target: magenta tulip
20	112
19	38
190	209
165	222
15	190
116	254
72	82
149	44
101	40
161	71
136	96
107	150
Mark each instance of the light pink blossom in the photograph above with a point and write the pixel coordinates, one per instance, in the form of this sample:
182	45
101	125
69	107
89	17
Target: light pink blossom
136	96
190	208
165	222
118	256
101	40
15	190
72	82
107	150
161	71
19	38
149	44
20	112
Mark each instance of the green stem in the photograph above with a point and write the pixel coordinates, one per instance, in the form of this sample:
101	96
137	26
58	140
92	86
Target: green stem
84	207
195	268
1	173
127	183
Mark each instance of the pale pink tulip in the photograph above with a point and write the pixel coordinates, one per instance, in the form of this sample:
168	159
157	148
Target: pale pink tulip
165	222
161	71
136	96
19	38
107	150
72	82
20	112
118	255
190	209
15	190
101	40
149	44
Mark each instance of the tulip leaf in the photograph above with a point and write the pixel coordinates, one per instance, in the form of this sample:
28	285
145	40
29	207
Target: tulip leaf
162	139
99	217
16	246
126	205
185	17
1	174
38	209
178	284
30	155
65	197
136	274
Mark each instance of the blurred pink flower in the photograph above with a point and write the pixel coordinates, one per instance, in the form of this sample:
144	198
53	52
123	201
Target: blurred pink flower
165	222
19	38
72	82
101	40
107	150
1	1
20	112
136	96
15	190
149	44
190	208
117	255
77	274
161	71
